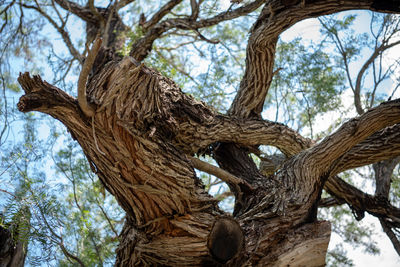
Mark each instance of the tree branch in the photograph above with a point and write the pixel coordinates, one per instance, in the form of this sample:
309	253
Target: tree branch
360	201
378	51
388	231
143	46
160	14
99	17
383	175
88	109
65	36
218	172
82	12
351	133
194	137
273	20
124	3
382	145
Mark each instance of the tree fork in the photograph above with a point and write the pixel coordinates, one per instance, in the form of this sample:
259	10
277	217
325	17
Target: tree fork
152	180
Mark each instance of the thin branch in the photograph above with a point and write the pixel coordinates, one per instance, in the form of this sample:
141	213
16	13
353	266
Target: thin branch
393	238
65	36
108	22
124	3
195	7
216	171
143	46
7	7
88	109
342	51
5	191
60	242
99	17
172	63
160	14
378	51
70	255
63	22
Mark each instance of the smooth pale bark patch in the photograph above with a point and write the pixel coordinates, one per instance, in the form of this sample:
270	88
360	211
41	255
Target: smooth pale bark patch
312	251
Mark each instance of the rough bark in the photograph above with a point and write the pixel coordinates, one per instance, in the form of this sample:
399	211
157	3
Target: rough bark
130	146
14	241
135	145
144	134
12	253
383	176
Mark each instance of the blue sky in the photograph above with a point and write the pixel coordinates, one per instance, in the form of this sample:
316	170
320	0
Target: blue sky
308	30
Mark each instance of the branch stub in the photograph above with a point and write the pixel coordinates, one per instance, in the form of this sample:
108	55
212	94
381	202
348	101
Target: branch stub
226	239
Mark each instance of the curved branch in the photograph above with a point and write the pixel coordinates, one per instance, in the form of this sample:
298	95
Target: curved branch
65	35
360	201
80	11
160	14
194	137
88	109
351	133
382	145
378	51
276	17
143	46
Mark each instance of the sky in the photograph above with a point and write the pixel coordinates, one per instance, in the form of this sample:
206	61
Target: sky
309	30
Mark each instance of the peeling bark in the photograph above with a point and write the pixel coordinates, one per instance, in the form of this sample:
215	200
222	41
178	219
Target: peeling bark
131	150
144	134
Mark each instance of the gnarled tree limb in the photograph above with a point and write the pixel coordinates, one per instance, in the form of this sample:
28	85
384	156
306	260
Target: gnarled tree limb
276	17
247	133
382	145
351	133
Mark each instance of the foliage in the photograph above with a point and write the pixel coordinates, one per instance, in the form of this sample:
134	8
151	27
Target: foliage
71	215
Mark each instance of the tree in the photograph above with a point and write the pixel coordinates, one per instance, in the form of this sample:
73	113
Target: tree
141	135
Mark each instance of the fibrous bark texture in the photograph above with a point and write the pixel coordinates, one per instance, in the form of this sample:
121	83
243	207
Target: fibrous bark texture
134	145
144	134
12	252
140	143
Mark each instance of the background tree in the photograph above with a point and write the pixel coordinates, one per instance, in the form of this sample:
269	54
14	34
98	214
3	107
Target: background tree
145	134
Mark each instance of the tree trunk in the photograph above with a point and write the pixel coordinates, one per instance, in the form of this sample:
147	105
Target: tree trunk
14	241
12	253
145	132
140	143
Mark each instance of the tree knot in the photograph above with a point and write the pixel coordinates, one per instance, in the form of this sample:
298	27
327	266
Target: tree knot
226	239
